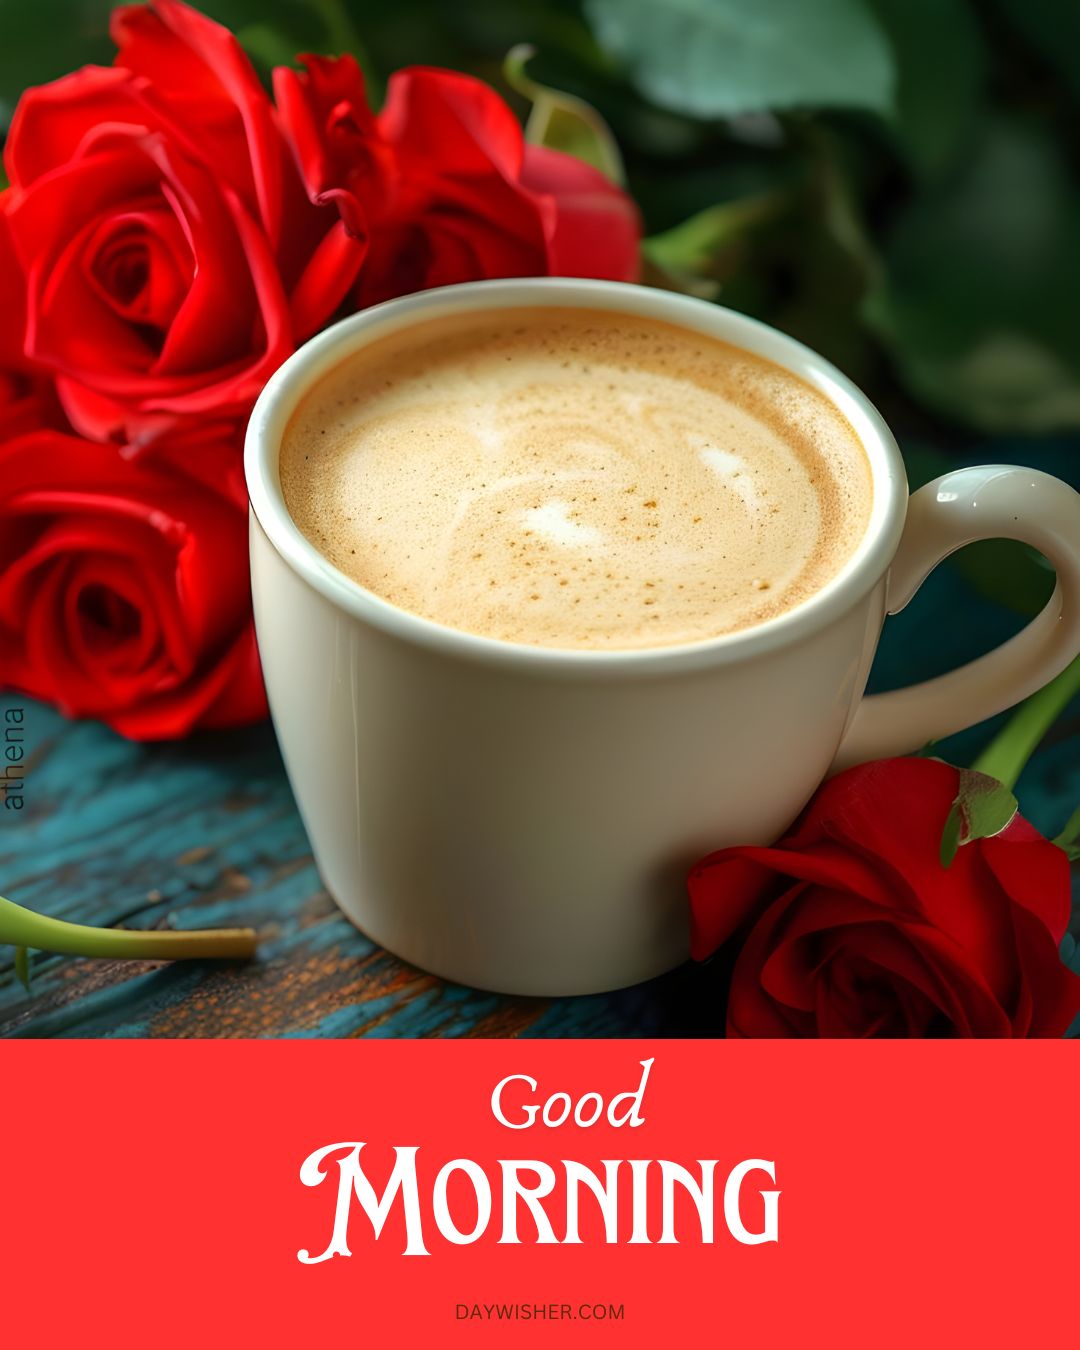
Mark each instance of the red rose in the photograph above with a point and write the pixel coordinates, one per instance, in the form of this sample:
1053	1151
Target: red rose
441	186
123	590
172	257
854	928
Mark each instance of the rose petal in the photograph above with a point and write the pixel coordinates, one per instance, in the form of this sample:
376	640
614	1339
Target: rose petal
1033	873
51	121
1049	999
451	122
106	612
198	71
329	276
592	228
230	694
334	135
728	887
140	265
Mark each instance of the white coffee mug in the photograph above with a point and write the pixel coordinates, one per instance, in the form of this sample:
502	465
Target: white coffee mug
521	818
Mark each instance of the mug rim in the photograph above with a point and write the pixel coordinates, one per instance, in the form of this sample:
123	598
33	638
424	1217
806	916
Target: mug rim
321	353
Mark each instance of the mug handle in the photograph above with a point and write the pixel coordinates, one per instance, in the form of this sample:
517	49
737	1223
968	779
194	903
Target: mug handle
994	501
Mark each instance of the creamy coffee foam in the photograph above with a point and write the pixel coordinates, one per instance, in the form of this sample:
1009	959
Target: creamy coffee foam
575	479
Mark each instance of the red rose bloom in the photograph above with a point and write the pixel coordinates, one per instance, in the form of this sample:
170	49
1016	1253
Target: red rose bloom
854	928
442	187
172	258
123	591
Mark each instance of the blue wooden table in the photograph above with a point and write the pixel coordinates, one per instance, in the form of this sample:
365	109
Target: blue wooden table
205	833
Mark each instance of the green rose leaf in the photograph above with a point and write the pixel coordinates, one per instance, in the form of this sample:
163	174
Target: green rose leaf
720	58
691	256
22	966
983	807
563	121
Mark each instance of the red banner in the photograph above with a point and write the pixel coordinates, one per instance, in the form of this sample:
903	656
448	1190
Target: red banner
762	1193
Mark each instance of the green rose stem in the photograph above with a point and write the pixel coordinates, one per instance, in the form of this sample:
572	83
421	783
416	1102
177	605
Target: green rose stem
23	928
1016	742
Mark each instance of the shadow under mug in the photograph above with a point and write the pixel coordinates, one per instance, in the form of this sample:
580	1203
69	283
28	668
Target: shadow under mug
520	818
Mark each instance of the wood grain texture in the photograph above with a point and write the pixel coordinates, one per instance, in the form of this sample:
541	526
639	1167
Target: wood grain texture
205	833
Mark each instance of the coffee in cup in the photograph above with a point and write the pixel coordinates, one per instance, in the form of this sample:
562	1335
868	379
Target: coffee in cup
576	479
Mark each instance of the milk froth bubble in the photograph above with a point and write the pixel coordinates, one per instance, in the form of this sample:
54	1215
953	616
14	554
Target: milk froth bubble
575	479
